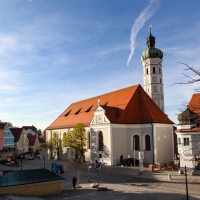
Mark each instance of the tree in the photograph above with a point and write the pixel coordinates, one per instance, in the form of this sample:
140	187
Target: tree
54	144
39	132
9	123
76	139
191	80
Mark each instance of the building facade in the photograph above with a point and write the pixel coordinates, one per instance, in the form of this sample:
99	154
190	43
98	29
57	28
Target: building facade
21	140
119	124
188	132
8	138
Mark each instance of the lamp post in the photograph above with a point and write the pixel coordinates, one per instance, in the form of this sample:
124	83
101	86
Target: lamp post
21	160
43	152
176	162
185	170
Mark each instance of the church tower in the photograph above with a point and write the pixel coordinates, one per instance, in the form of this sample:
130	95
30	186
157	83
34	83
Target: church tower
152	72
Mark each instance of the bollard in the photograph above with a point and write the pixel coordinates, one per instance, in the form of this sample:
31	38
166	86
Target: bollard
169	177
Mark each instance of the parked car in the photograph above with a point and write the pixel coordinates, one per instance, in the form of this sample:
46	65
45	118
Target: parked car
60	169
130	161
31	157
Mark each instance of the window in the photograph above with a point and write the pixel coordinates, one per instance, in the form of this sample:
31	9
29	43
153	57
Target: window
161	96
88	110
186	142
64	134
155	88
159	71
100	141
154	79
136	141
147	71
160	80
179	141
88	139
154	70
147	143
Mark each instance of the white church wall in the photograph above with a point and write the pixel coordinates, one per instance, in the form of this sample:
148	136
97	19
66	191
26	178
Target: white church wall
140	130
163	143
119	144
96	154
148	154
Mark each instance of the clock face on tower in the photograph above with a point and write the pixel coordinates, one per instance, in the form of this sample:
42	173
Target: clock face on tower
147	80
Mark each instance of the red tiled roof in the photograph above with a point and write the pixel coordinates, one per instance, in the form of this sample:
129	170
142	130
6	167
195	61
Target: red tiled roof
194	104
31	139
193	129
130	105
16	133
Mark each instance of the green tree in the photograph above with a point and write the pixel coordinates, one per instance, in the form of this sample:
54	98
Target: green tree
76	139
54	144
39	132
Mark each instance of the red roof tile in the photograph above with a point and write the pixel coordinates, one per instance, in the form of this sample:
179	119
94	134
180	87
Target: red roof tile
31	139
16	133
130	105
193	129
194	104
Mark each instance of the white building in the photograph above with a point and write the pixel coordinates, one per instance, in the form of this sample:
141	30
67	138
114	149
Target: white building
188	132
115	120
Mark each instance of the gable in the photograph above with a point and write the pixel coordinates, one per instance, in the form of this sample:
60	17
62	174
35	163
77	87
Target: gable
142	109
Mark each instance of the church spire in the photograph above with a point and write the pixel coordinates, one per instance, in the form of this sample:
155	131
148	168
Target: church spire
151	39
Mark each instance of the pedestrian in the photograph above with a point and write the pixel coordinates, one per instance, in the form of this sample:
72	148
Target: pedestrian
74	181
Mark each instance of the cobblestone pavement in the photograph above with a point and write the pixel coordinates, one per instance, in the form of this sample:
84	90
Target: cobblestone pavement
123	183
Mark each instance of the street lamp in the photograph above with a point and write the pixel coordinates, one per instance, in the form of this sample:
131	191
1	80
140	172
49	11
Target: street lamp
185	170
176	162
195	161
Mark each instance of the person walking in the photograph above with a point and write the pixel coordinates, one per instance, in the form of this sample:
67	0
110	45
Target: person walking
74	181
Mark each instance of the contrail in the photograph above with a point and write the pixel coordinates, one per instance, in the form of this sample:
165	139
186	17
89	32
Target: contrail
139	23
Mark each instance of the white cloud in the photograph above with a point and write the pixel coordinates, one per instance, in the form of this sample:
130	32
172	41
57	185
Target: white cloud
139	23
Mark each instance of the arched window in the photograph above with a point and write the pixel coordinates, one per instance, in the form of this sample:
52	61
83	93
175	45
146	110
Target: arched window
100	141
88	139
136	141
154	70
147	143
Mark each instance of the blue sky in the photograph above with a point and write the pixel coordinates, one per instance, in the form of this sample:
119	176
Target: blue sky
55	52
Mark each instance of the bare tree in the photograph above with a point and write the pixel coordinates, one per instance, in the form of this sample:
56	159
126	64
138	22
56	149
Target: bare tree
191	80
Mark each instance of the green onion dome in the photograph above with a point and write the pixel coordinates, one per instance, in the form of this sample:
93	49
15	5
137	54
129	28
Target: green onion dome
151	52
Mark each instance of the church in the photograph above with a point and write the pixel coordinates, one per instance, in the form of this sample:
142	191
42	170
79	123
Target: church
122	123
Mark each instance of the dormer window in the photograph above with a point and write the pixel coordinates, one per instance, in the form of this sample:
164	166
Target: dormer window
106	103
88	110
67	113
76	113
